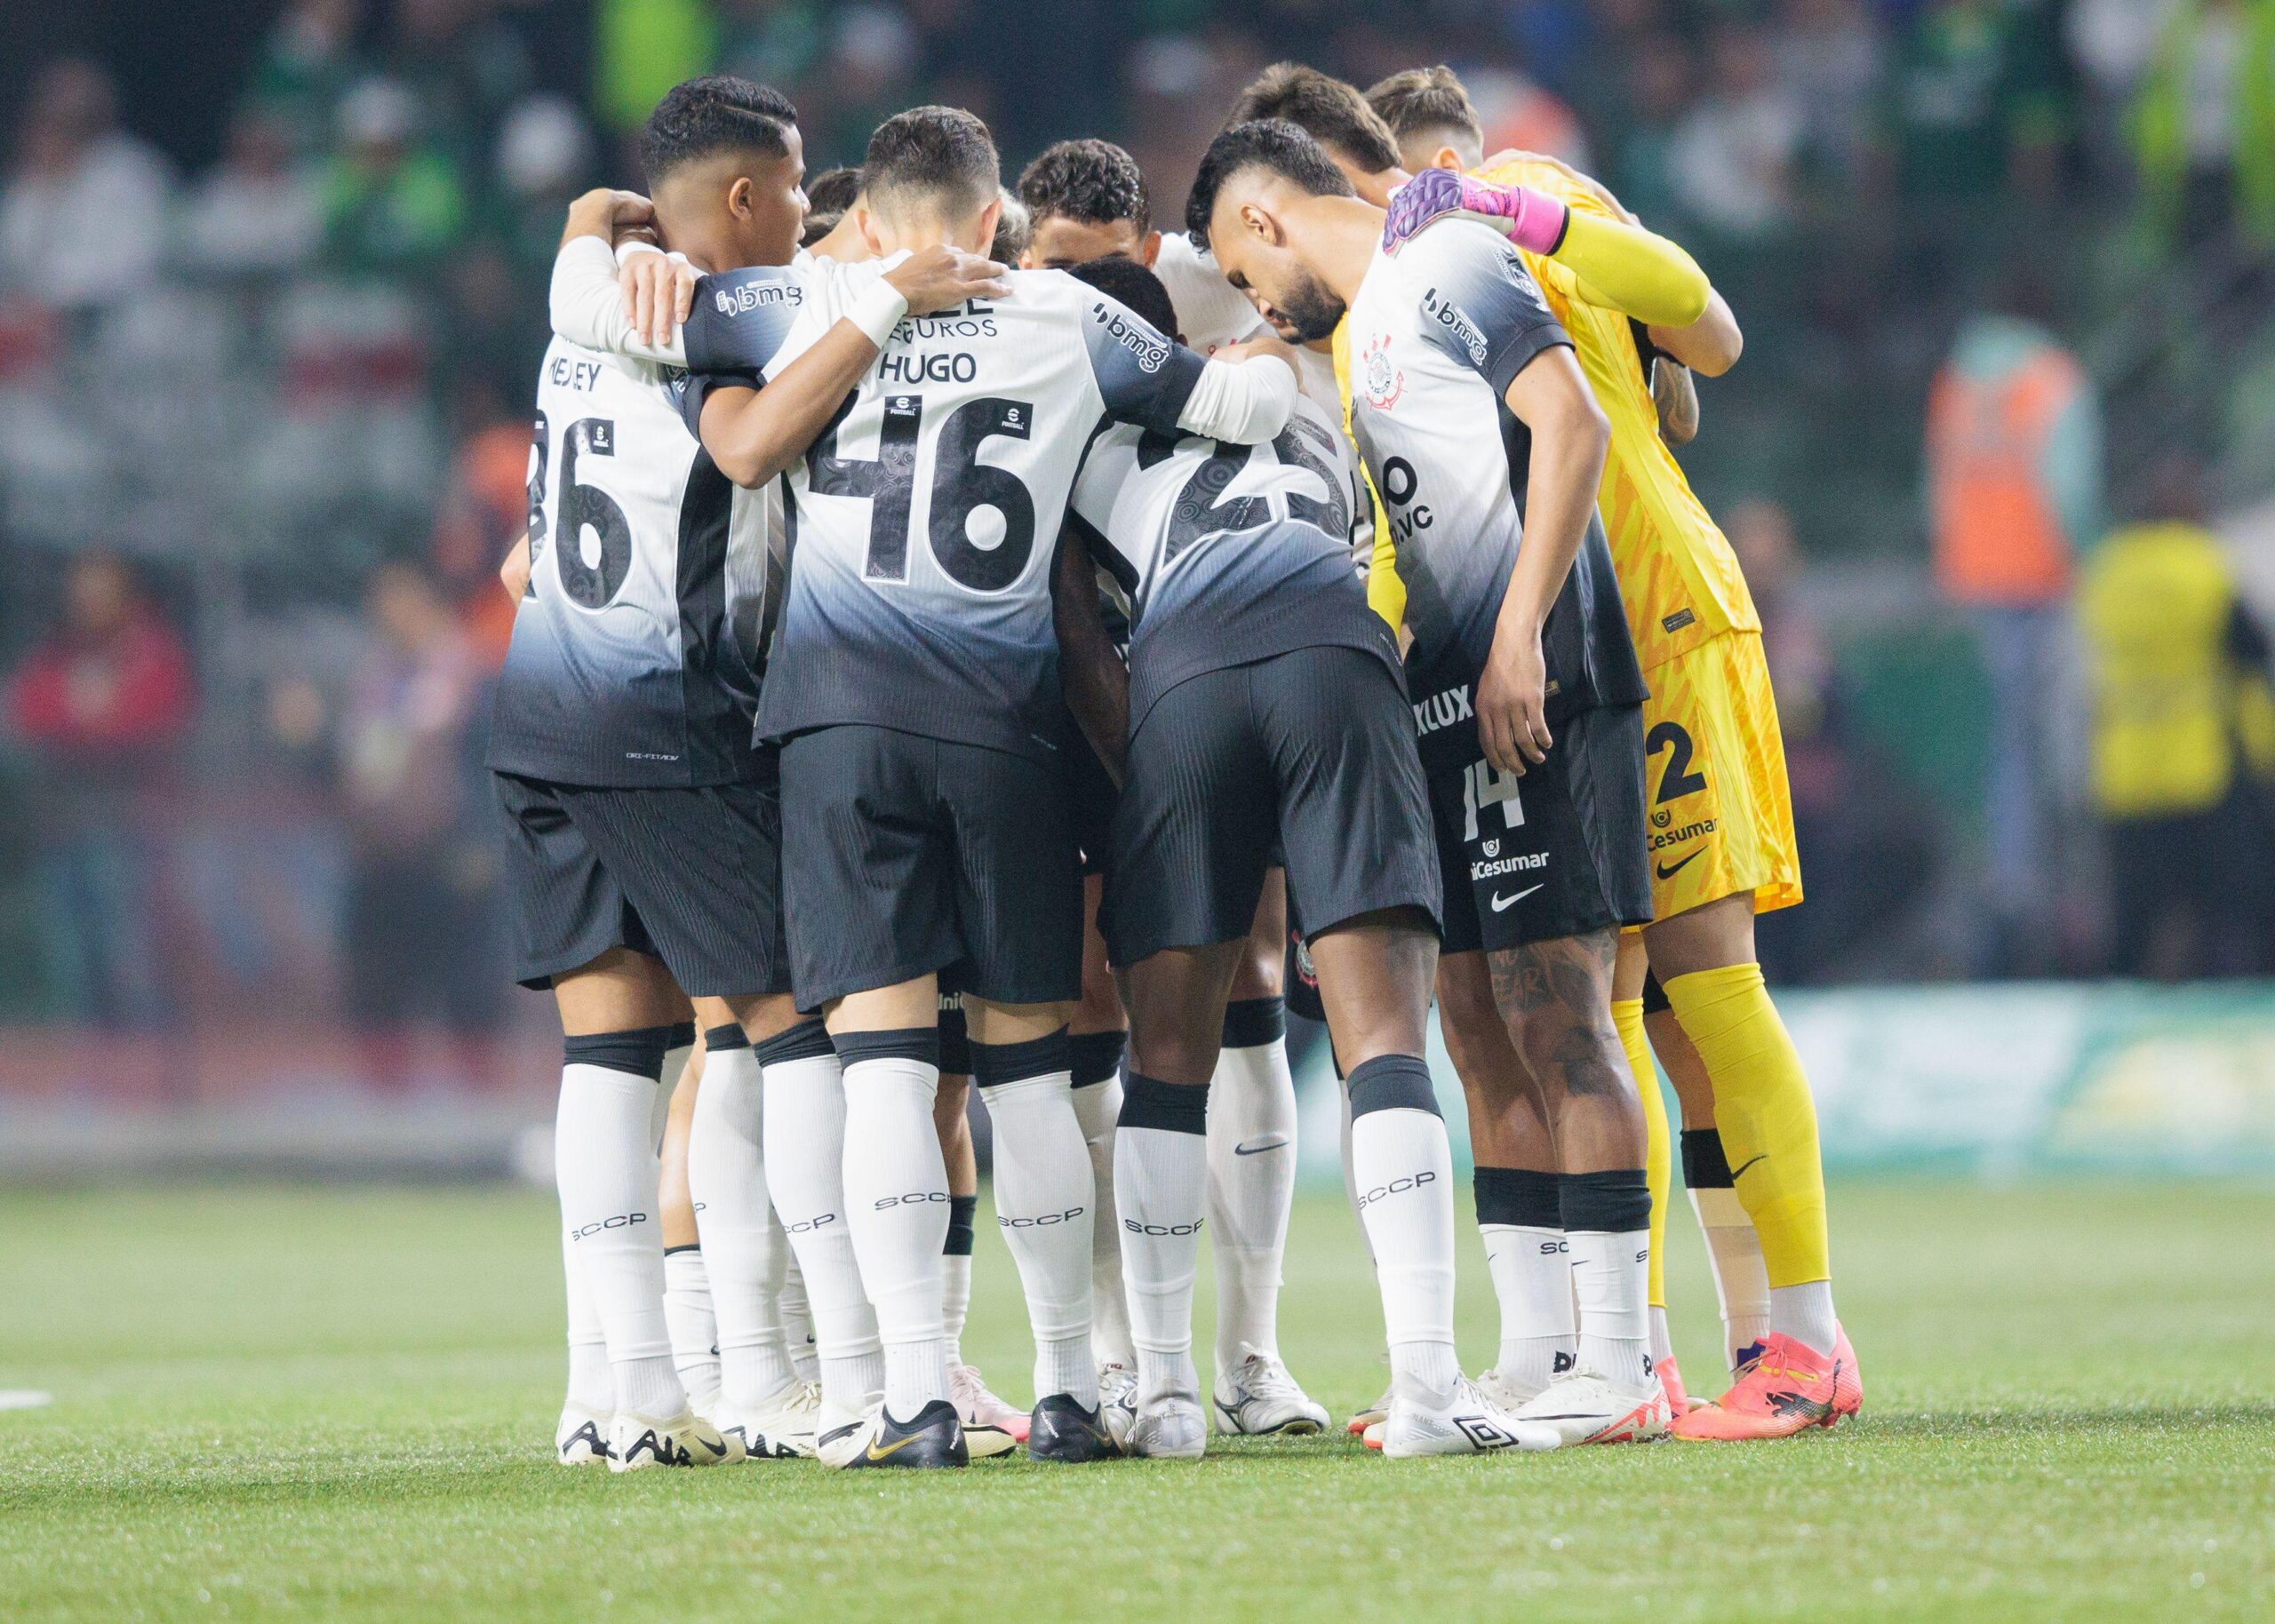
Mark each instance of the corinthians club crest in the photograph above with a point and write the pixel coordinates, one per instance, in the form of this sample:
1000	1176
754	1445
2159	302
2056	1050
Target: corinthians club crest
1384	382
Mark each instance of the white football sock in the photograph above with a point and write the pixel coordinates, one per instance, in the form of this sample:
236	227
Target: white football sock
1097	1106
1043	1198
743	1244
1403	1170
694	1330
590	1385
798	1320
1252	1180
803	1112
1161	1185
607	1172
1611	1279
1740	1279
897	1205
1804	1312
1532	1278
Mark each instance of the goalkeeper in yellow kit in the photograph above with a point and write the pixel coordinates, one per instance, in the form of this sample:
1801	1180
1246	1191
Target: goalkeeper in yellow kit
1721	830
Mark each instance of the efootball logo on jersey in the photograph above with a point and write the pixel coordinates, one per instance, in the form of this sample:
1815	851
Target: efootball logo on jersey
1151	350
746	297
1384	383
1450	316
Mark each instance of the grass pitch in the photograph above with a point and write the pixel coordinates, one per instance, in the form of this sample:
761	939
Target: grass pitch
329	1403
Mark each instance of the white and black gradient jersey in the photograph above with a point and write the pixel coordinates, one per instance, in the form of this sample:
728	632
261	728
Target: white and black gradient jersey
1212	313
637	649
923	521
1226	553
1438	332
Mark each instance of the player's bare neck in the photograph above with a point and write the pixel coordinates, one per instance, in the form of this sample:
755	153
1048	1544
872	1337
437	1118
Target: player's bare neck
1335	237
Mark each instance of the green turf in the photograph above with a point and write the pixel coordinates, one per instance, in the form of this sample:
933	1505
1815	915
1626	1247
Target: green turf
327	1404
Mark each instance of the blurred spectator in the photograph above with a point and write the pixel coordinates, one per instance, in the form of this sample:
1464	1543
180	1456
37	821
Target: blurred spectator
774	41
2181	737
390	204
308	67
545	159
1829	57
872	57
1642	157
82	218
1732	159
420	944
2204	125
258	213
101	702
2014	456
1974	98
464	66
485	509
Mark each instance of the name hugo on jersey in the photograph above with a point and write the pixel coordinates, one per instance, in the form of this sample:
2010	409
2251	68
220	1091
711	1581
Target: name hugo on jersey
1148	347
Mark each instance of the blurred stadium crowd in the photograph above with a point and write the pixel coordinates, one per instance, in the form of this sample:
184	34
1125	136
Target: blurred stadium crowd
2004	264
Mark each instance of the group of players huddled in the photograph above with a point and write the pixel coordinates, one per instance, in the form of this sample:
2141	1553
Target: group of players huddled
976	638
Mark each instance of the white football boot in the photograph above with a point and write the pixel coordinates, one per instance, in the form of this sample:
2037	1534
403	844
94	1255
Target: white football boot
1505	1394
1170	1425
1259	1396
782	1429
581	1437
1118	1402
1467	1423
636	1441
991	1427
1583	1407
1368	1419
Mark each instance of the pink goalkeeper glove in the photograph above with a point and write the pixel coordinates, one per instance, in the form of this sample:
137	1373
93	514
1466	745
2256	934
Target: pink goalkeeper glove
1533	220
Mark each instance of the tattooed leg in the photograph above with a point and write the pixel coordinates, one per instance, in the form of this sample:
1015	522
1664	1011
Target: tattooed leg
1509	1123
1555	997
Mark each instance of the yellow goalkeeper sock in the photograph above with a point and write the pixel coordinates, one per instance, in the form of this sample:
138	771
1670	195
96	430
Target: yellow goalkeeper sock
1658	1153
1764	1114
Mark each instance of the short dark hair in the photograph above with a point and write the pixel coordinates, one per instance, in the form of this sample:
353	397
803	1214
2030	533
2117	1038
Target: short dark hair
943	156
1332	111
1014	230
1093	182
833	191
1420	99
717	113
1124	278
1264	143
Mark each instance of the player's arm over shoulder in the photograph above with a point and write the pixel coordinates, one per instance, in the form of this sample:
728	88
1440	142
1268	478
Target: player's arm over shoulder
1146	378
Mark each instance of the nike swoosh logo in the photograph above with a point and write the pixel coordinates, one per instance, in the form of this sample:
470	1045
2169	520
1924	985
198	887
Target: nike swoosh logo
891	1449
1665	872
1259	1147
1735	1172
1501	901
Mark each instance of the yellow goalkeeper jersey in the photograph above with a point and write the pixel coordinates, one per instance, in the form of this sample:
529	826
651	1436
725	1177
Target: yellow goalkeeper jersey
1678	578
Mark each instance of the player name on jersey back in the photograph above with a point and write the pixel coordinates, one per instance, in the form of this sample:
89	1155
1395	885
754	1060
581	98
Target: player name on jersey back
1227	553
637	649
922	522
1438	332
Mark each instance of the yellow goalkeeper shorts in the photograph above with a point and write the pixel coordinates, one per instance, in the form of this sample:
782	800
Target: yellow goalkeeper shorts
1721	814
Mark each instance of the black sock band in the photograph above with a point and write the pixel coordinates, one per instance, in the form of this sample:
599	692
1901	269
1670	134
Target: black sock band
1705	1167
1251	1022
692	1245
682	1036
718	1039
1614	1203
1095	1057
920	1043
996	1063
807	1040
1174	1108
1654	996
1392	1082
1521	1196
961	1210
640	1052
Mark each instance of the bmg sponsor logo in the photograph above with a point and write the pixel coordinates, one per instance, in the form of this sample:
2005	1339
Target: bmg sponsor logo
1147	348
1450	316
743	298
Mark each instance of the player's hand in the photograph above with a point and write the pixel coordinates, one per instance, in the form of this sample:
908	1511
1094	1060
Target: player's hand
1262	344
1533	220
658	292
1579	178
1513	700
601	212
936	278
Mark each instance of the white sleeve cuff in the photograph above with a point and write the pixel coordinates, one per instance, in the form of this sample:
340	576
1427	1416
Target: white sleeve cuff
1240	401
878	311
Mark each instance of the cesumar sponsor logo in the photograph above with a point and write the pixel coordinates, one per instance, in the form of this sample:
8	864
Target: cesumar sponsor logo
1151	351
1040	1220
1397	1187
622	1221
1676	837
1524	863
1450	316
1443	710
746	297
